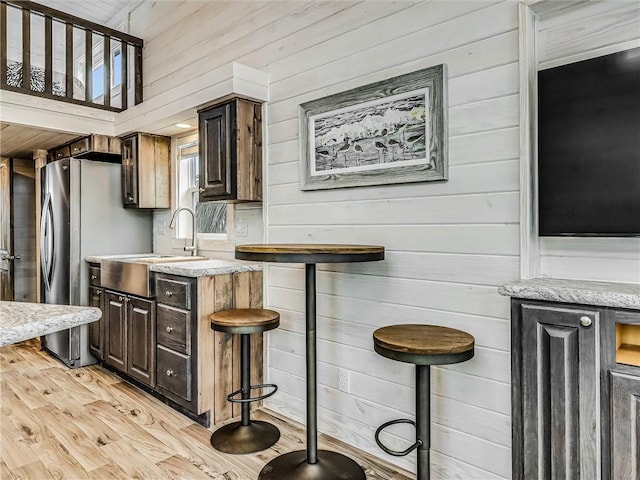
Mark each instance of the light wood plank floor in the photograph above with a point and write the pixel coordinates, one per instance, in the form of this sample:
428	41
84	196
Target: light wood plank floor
87	423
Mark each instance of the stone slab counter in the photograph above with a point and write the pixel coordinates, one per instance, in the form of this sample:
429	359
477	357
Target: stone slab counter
205	268
21	321
604	294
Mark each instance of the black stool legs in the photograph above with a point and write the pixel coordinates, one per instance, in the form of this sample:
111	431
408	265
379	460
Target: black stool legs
246	436
423	419
422	423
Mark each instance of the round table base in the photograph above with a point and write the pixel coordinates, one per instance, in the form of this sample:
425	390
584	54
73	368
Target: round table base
240	439
294	466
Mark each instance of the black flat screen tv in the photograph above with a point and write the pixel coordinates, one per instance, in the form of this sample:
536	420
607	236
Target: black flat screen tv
589	147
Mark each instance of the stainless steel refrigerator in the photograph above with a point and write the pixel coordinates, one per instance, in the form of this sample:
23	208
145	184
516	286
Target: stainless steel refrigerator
82	215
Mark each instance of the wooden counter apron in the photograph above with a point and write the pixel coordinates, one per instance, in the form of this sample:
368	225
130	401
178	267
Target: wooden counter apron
311	463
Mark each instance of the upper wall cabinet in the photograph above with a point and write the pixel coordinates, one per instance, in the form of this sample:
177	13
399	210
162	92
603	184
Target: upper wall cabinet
146	171
92	147
231	151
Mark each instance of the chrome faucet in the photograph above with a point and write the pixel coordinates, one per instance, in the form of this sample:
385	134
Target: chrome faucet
193	248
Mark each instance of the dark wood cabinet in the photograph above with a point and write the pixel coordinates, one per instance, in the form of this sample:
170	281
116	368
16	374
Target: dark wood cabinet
130	335
575	391
175	336
95	329
625	426
141	339
556	391
115	330
92	147
231	151
146	169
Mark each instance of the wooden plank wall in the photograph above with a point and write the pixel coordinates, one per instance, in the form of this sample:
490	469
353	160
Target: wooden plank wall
449	245
587	30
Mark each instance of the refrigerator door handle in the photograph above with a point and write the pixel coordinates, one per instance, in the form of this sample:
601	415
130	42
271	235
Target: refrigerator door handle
46	242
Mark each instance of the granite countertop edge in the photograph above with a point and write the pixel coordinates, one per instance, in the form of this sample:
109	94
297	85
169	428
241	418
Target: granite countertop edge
206	268
21	320
190	268
586	292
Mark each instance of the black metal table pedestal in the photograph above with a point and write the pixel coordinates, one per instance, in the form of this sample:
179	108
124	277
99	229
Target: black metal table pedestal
312	464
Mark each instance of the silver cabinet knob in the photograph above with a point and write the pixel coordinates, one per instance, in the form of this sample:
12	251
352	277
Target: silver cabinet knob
168	293
585	321
130	198
169	373
94	277
120	299
201	190
169	329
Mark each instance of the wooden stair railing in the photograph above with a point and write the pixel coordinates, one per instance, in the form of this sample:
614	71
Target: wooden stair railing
26	78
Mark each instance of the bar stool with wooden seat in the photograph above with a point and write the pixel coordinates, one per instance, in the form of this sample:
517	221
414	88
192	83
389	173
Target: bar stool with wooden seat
422	345
245	436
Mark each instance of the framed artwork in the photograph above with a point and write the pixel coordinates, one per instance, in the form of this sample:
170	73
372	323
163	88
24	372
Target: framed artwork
392	131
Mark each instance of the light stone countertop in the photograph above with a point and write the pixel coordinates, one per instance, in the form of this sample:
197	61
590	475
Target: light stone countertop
98	258
21	321
603	294
204	268
189	268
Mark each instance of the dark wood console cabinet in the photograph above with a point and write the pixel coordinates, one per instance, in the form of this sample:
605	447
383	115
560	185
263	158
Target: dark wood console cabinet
231	151
571	401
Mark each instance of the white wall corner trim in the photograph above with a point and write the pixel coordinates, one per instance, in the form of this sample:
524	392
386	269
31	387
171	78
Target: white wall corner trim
529	244
180	103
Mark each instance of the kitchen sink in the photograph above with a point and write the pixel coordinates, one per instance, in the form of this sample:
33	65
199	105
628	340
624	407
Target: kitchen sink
133	275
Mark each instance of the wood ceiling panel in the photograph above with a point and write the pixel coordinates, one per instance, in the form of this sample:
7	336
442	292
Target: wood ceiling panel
98	11
20	142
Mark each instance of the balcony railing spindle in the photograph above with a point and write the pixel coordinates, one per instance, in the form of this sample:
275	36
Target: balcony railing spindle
26	49
49	83
48	55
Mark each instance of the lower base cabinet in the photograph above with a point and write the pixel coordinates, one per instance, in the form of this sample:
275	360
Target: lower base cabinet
129	332
168	345
575	410
625	426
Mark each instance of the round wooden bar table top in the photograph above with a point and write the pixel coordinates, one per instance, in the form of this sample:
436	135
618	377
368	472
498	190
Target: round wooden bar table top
309	252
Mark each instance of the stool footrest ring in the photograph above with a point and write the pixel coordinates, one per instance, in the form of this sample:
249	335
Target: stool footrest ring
253	399
396	453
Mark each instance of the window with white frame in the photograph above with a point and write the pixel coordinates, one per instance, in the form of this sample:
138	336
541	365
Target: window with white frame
211	217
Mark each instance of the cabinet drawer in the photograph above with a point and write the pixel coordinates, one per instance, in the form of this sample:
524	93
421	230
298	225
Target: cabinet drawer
79	147
174	328
174	372
62	152
176	293
94	276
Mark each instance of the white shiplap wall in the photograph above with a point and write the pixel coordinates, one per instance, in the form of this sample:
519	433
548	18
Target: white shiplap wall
448	244
582	31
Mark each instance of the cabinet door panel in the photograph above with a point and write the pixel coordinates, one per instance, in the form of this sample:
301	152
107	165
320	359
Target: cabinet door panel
174	374
625	426
130	171
174	328
95	328
560	388
115	331
217	170
141	341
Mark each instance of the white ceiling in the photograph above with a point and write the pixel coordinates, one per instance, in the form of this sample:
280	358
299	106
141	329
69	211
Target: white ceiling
104	12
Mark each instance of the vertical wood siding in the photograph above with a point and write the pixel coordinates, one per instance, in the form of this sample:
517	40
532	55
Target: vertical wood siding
448	244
